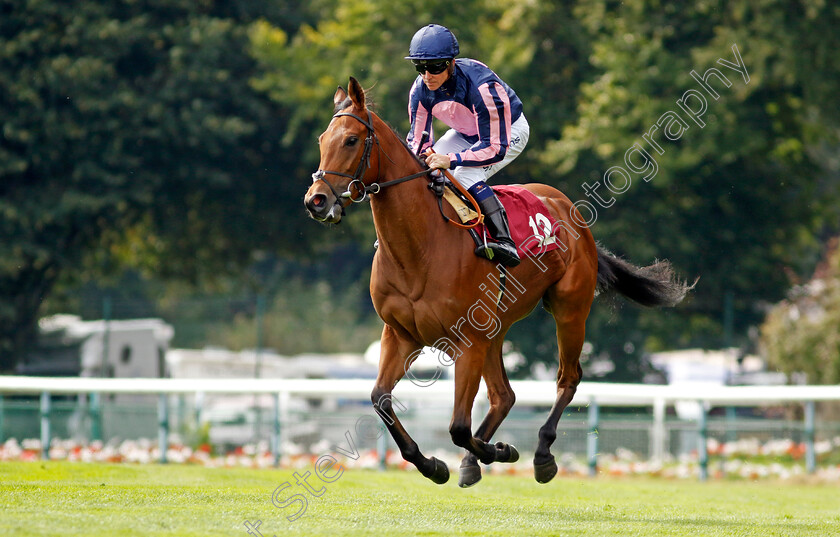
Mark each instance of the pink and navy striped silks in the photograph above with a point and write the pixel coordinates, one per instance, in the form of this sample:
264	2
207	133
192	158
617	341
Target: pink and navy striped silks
476	103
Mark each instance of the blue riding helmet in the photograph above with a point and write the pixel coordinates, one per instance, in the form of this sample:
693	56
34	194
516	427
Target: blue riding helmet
433	42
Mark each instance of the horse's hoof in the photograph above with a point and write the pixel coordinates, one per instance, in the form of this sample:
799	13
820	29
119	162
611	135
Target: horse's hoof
546	471
469	475
506	453
440	475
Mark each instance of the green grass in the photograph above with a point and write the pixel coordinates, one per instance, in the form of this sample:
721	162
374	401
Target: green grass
69	499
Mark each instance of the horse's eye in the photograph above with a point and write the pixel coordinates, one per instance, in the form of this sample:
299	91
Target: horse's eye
351	141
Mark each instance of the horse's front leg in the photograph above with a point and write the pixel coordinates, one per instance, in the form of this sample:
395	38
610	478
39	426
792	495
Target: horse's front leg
501	398
468	369
395	357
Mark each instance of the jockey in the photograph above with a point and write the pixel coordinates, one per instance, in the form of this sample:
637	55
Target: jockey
487	127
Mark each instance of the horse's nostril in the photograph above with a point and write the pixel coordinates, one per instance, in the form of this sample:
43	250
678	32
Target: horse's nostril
317	201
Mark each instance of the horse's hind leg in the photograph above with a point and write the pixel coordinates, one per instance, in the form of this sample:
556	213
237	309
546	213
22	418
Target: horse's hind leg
392	366
570	308
501	398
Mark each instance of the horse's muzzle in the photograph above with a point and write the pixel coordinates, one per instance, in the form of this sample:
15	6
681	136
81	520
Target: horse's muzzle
319	208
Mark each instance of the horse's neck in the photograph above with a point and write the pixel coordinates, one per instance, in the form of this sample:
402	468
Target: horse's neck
404	219
408	224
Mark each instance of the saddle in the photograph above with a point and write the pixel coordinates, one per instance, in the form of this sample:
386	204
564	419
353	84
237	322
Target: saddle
531	225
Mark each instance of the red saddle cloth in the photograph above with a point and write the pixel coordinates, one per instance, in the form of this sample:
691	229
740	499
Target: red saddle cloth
532	227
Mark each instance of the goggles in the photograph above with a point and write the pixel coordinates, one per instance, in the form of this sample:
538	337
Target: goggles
433	67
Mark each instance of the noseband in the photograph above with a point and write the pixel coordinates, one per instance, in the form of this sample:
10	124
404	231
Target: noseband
356	183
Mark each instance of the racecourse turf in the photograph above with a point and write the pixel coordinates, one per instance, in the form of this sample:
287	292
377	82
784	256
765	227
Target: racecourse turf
70	499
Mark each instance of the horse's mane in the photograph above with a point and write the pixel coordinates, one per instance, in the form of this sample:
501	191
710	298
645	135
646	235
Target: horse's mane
371	106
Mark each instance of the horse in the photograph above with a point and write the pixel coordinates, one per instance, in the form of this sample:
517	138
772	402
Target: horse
430	288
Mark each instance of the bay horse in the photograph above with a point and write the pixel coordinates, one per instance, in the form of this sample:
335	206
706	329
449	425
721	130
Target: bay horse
426	283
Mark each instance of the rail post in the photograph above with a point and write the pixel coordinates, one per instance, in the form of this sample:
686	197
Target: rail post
810	436
592	438
275	435
163	426
657	437
45	425
702	434
95	413
283	421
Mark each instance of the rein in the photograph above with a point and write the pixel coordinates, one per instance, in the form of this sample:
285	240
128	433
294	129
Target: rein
363	190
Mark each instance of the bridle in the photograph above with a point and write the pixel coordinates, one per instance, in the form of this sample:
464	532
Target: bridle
362	191
356	183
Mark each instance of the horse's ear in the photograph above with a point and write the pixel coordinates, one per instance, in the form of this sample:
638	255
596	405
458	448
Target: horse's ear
357	94
339	96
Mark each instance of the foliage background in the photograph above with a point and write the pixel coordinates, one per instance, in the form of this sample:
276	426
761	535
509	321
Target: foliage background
156	153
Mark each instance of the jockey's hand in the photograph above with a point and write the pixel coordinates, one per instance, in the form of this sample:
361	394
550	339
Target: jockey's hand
437	161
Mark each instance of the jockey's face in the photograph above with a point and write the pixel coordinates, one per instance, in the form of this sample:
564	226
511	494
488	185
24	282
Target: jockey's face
433	82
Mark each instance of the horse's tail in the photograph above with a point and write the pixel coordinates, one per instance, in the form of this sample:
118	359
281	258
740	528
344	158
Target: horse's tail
656	285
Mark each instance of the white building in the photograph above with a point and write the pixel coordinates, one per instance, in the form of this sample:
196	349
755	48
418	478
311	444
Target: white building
69	346
213	362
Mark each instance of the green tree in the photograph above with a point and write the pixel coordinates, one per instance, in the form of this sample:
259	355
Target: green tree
366	39
800	333
306	317
740	201
131	136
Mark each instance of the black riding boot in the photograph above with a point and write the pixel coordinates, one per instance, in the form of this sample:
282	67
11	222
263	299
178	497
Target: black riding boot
495	218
